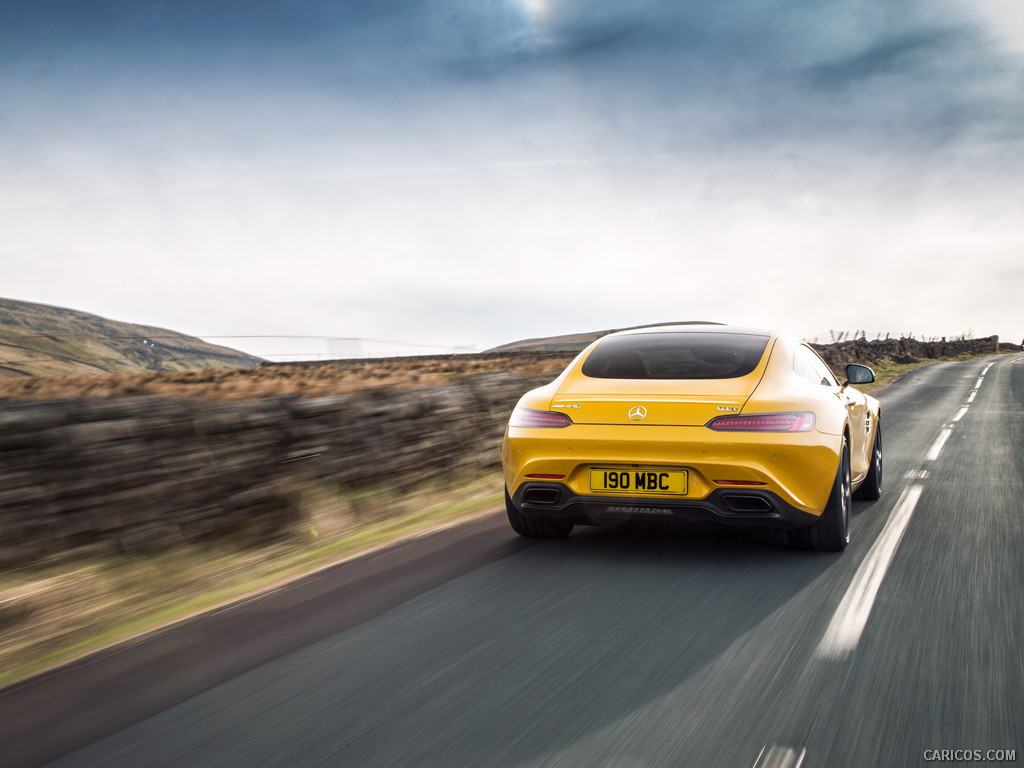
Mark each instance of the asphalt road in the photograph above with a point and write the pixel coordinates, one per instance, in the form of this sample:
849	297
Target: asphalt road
471	647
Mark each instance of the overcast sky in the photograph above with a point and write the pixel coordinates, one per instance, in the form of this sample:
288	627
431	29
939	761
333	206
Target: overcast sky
471	172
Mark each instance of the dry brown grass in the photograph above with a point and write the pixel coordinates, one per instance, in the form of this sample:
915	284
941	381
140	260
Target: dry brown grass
317	380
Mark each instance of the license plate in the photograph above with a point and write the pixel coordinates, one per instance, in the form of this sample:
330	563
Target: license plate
639	482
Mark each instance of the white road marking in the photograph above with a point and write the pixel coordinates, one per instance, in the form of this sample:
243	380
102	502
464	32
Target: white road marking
917	474
978	383
972	396
847	625
775	756
986	368
936	449
960	414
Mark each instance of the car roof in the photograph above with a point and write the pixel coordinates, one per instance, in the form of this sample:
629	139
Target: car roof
695	328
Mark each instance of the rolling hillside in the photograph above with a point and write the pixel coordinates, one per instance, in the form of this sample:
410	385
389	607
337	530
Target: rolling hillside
40	340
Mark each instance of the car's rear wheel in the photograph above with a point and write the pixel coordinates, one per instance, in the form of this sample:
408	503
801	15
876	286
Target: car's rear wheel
534	527
871	488
831	533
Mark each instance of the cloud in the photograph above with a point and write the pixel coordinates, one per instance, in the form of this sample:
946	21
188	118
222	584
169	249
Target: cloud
489	168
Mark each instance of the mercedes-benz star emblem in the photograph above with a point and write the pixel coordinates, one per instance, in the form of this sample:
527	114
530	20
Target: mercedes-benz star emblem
637	412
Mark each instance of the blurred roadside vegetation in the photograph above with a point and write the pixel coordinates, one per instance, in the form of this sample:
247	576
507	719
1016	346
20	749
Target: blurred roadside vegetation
57	611
53	612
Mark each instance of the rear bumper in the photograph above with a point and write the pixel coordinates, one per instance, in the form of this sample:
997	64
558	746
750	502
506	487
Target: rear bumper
798	468
730	508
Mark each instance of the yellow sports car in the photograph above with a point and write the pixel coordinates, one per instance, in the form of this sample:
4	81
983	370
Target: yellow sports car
695	424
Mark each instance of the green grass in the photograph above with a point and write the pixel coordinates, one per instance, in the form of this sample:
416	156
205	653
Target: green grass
887	372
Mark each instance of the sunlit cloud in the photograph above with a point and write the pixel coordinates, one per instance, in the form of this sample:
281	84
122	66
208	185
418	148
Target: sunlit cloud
538	13
1004	19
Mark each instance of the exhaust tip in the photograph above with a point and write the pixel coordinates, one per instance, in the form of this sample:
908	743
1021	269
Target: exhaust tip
541	495
747	505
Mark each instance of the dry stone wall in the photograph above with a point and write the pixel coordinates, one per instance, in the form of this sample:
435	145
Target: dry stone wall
865	352
137	474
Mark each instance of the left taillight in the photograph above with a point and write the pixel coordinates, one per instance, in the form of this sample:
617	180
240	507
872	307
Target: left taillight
764	422
526	417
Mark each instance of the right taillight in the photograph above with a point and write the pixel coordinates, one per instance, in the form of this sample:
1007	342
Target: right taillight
764	422
527	417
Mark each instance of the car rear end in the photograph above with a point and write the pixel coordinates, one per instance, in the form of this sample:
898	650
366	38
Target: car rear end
653	426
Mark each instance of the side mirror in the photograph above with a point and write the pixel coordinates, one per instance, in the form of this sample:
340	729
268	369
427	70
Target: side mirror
858	374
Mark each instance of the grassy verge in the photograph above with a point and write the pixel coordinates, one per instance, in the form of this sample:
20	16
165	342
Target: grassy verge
52	614
887	372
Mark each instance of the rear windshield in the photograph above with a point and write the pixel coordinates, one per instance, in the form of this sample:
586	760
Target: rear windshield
676	356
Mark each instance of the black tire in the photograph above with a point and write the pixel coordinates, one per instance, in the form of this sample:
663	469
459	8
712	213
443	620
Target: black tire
871	488
534	527
831	533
